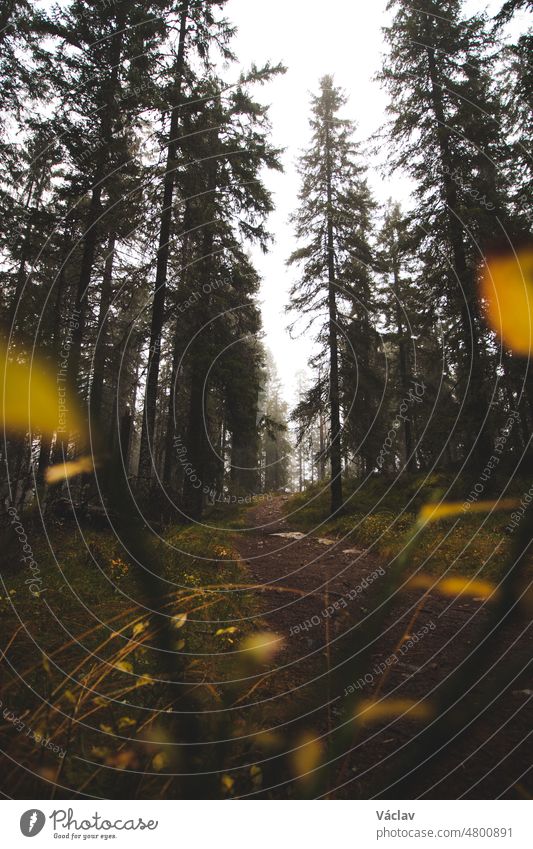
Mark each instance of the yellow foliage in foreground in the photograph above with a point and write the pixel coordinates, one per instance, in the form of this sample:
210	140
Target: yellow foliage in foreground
435	512
454	586
370	711
507	289
63	471
262	647
307	756
32	399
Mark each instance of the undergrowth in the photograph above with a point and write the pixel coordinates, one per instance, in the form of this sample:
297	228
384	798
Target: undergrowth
87	693
379	514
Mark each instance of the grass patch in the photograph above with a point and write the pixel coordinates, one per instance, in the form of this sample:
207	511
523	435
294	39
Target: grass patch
379	515
84	673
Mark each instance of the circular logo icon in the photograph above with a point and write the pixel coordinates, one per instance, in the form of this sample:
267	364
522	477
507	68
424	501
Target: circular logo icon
32	822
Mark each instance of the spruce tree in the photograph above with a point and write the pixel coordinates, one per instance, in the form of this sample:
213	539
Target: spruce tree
446	134
199	31
333	201
230	147
401	304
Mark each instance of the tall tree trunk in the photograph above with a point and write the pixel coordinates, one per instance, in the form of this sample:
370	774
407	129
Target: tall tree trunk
197	443
80	310
46	439
197	435
177	352
223	447
125	438
322	434
221	461
410	455
476	403
405	375
196	449
513	377
34	194
99	360
92	227
335	422
158	305
21	275
322	460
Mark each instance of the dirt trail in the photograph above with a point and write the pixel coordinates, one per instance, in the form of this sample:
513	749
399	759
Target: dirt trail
314	590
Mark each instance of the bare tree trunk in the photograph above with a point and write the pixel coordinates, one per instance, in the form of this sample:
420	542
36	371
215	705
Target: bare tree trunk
335	423
405	376
22	275
92	228
321	425
476	401
46	439
158	306
176	356
99	360
197	443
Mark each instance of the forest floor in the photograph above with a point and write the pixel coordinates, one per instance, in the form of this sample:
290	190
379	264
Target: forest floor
301	578
80	664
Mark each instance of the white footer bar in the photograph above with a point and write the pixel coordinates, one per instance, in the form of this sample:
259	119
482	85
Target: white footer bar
267	824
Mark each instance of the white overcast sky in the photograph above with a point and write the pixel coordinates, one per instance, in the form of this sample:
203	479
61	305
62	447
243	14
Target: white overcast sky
341	37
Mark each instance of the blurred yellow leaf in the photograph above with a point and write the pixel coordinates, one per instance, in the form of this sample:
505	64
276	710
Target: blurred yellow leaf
125	722
70	697
307	756
144	681
31	398
256	775
100	752
268	740
435	512
227	783
369	711
123	760
507	289
50	774
139	628
179	620
160	761
153	737
221	631
124	666
465	586
63	471
263	646
454	586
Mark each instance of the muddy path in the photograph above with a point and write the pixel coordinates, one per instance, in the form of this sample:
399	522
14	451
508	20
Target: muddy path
313	591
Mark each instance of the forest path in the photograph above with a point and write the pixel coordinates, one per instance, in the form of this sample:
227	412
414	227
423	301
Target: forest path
312	592
302	576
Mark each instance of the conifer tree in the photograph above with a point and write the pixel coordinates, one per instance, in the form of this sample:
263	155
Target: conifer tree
330	222
446	133
199	32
